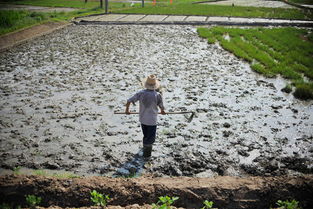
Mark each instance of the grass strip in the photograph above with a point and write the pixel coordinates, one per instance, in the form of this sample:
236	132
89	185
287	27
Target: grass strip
12	20
219	10
80	4
284	51
308	2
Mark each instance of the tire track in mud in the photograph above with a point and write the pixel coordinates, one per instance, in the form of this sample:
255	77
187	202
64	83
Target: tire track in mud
59	92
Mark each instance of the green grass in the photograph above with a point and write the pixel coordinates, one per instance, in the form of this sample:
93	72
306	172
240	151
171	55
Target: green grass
280	51
79	4
61	175
217	10
12	20
56	3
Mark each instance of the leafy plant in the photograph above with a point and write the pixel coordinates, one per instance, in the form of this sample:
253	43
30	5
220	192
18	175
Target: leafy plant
99	199
207	204
164	202
33	200
293	204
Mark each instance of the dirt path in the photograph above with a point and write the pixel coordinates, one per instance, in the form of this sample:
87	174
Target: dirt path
226	192
12	39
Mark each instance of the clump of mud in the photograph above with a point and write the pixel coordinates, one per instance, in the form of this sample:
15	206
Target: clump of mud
59	92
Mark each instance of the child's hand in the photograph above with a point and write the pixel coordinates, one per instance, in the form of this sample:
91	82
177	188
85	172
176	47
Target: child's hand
163	112
127	112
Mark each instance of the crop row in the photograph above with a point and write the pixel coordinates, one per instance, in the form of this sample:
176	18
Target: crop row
284	51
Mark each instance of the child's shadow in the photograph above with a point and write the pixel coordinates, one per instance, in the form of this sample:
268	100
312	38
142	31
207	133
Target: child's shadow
133	167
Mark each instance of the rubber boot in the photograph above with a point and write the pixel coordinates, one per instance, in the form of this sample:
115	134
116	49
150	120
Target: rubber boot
147	149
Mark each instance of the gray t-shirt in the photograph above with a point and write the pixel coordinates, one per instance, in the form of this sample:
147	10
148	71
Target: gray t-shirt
149	101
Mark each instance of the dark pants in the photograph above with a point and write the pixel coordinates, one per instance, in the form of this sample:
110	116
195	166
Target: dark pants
149	133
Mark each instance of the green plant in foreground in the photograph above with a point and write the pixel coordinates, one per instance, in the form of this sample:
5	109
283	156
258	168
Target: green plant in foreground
99	199
207	204
293	204
33	200
164	202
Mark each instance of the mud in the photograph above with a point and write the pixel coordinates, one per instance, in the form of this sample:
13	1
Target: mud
59	92
225	192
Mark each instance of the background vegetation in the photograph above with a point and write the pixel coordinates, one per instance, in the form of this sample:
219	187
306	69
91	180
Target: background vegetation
12	20
185	7
284	51
310	2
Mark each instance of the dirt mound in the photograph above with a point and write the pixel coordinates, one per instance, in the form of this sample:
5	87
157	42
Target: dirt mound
226	192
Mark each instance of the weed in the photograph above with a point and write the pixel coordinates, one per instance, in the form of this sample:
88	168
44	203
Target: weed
99	199
287	88
40	173
164	202
293	204
304	91
207	204
65	175
33	200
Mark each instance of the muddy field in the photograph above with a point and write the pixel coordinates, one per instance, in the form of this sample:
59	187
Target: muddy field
59	92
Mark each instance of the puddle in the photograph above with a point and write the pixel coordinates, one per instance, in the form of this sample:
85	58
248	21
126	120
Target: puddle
59	92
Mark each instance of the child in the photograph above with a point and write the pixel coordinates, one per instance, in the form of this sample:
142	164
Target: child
149	101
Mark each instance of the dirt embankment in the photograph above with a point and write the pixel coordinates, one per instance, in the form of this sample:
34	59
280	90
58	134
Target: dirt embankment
226	192
21	36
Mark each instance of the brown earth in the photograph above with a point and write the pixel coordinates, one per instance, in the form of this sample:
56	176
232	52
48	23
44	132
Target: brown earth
225	192
15	38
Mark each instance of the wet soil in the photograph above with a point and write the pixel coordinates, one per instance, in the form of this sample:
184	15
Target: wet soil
59	92
225	192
